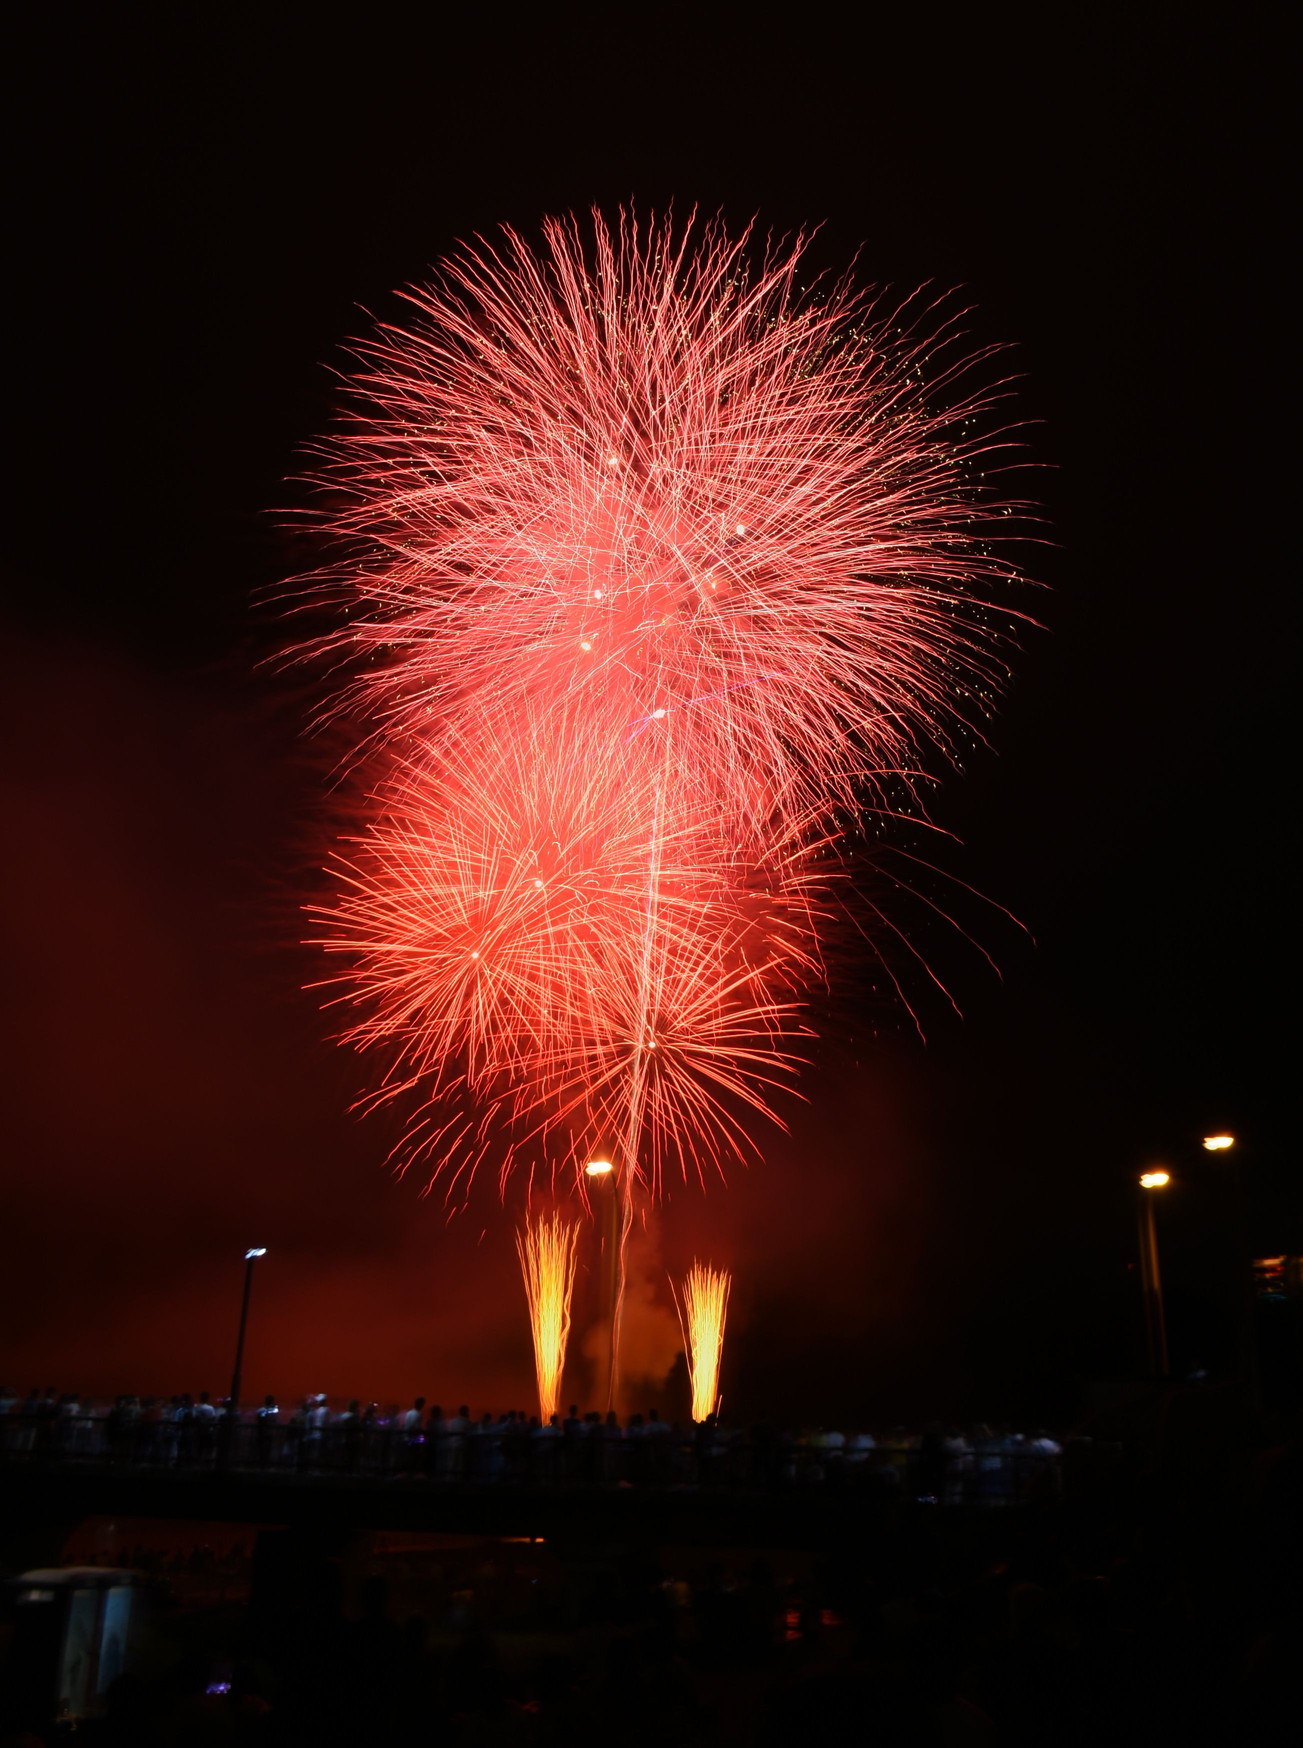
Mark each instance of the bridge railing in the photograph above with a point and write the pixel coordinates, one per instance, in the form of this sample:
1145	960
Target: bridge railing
991	1473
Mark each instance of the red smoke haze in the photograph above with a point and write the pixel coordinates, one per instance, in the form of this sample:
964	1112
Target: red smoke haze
174	1098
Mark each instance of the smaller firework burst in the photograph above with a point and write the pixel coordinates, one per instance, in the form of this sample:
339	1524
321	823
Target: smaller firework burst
702	1305
546	1246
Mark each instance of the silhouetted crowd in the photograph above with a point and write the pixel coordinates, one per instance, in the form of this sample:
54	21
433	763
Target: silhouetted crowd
1156	1600
948	1466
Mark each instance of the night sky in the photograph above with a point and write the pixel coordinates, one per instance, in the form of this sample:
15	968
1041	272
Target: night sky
204	214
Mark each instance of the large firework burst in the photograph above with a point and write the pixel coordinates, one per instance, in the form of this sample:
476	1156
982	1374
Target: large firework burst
656	567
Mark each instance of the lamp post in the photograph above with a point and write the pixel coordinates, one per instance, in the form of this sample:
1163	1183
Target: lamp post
605	1169
1245	1335
1150	1278
250	1257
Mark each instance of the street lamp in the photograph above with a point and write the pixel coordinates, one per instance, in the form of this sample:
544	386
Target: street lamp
598	1169
1150	1279
1247	1337
250	1257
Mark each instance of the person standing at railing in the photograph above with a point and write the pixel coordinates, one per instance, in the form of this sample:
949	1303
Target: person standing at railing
834	1456
483	1459
65	1423
265	1430
959	1469
505	1447
296	1433
1044	1477
47	1419
182	1440
706	1449
22	1436
591	1448
610	1440
409	1433
345	1436
227	1431
658	1447
205	1427
994	1483
149	1429
572	1433
545	1447
376	1430
433	1432
637	1465
859	1449
120	1429
452	1445
65	1427
316	1421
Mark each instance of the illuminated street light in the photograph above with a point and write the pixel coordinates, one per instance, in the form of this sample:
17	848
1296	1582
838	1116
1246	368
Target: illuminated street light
1151	1279
233	1407
1245	1263
615	1237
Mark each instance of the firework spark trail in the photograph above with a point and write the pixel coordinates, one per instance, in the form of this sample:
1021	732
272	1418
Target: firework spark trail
702	1304
546	1247
658	566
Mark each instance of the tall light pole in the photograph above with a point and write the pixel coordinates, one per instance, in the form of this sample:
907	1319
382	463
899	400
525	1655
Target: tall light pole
250	1257
604	1169
1150	1278
1245	1334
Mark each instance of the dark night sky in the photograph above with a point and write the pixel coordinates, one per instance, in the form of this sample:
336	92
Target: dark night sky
201	215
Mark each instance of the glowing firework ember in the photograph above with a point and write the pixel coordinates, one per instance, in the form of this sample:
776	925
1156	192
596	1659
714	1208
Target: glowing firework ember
703	1308
657	566
547	1260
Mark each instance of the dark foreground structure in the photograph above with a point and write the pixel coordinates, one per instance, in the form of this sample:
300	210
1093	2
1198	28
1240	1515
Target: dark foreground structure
453	1454
1145	1590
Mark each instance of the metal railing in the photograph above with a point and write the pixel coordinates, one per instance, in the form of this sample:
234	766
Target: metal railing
995	1472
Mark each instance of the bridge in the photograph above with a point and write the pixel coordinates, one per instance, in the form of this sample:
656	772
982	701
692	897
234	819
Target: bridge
712	1487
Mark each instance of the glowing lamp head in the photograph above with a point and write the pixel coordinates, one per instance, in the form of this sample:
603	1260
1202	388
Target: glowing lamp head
1154	1180
1218	1143
599	1168
259	1250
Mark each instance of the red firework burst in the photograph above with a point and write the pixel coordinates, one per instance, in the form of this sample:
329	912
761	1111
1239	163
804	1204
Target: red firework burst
655	567
559	943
